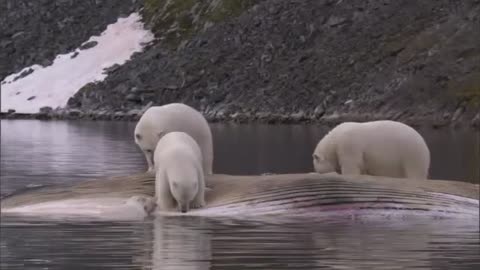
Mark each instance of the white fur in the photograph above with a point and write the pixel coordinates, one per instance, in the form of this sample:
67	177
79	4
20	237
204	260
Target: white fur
159	120
179	177
381	148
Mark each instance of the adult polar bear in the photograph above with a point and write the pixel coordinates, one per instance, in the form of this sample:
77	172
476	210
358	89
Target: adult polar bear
179	177
159	120
380	148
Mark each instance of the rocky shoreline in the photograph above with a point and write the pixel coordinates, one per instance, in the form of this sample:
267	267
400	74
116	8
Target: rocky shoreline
268	61
456	121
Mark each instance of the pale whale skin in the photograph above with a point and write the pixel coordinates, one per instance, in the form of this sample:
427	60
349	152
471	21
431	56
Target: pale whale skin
312	196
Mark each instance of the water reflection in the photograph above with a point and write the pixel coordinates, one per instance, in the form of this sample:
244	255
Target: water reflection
201	243
43	245
181	243
39	152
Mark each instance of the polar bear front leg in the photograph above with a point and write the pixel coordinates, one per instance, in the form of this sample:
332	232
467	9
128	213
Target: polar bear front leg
149	157
350	169
350	160
165	200
199	200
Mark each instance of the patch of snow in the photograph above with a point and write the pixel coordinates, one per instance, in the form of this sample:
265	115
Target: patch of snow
53	85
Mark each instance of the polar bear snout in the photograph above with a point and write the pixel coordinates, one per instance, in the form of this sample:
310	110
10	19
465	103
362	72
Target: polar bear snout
184	207
184	190
322	165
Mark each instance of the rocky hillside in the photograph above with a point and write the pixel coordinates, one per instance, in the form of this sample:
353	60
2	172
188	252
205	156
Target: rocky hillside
35	31
301	60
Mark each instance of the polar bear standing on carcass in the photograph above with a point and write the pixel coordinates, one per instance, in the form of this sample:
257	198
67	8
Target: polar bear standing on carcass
381	148
179	178
159	120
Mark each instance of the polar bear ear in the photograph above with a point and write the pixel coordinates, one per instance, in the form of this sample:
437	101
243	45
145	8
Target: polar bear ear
160	134
138	136
316	157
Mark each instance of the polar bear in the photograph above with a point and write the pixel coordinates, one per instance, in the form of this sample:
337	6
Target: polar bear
159	120
381	148
179	177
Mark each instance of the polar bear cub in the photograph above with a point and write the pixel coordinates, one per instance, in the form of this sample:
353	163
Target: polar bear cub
381	148
159	120
179	177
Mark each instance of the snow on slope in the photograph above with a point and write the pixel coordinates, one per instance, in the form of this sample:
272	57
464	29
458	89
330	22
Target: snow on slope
53	85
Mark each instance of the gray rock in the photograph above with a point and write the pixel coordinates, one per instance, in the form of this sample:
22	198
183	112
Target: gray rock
319	111
46	62
335	21
18	34
111	69
121	89
134	97
298	116
457	114
75	113
476	121
263	115
24	74
134	112
88	45
46	110
75	54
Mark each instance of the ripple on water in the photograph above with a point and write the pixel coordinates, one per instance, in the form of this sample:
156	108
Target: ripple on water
205	243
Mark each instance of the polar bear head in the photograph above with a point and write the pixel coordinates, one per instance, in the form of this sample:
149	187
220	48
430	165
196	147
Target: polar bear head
324	156
321	164
147	141
184	190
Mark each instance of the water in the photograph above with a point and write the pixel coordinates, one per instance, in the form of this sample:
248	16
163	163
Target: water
31	155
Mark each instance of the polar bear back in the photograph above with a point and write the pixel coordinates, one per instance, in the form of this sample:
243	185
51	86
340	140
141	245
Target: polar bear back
176	117
175	148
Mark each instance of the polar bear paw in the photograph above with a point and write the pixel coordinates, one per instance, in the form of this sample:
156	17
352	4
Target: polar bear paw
198	204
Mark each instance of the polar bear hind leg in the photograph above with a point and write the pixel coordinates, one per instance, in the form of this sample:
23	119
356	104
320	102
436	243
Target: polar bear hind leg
416	170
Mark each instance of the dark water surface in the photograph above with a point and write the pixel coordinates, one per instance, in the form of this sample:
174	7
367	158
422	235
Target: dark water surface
36	152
